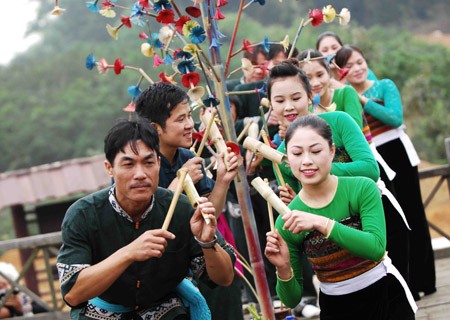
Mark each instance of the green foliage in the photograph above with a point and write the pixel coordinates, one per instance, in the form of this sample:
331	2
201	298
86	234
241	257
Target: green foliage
53	108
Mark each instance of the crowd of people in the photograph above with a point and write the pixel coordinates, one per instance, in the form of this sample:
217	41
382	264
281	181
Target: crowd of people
356	223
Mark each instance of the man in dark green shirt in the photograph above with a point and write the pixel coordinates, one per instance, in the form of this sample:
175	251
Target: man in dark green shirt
116	262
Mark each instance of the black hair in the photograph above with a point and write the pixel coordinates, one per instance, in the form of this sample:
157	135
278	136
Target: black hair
328	34
313	54
125	132
234	99
276	48
344	53
288	68
310	121
253	57
157	102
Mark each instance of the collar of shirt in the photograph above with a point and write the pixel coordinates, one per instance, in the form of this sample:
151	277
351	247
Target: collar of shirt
120	211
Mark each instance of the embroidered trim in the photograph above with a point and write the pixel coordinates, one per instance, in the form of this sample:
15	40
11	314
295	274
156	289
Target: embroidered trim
67	271
154	313
120	211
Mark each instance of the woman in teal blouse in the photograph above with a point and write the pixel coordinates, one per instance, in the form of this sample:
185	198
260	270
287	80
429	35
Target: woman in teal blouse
384	112
338	223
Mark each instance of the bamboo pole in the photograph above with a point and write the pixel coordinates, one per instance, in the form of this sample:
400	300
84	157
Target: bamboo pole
241	185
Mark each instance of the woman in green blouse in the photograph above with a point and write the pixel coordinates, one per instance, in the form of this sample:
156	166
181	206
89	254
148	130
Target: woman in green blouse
338	223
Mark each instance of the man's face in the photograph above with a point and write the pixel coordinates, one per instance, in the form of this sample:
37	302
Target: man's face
136	176
178	129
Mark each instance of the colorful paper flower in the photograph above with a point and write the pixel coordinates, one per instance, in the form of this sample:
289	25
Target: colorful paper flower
185	66
344	17
285	43
125	21
159	5
190	79
166	78
92	6
147	50
211	101
221	3
154	41
247	46
179	24
165	16
107	12
191	48
262	90
157	60
118	66
193	11
197	35
113	31
330	58
266	43
218	15
168	60
315	100
215	43
316	17
343	72
102	66
136	15
180	54
165	34
90	62
261	2
328	13
57	11
131	107
235	147
188	26
144	4
143	35
134	91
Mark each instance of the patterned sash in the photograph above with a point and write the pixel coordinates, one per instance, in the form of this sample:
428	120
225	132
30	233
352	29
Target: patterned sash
332	263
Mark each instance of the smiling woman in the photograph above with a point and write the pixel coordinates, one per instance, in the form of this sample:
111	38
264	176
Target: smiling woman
13	30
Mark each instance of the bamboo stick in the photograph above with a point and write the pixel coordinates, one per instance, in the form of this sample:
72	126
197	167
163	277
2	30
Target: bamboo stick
175	198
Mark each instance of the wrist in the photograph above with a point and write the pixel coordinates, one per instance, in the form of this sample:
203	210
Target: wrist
285	274
207	244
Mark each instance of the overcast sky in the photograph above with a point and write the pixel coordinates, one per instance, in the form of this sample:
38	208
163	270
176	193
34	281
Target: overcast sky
14	18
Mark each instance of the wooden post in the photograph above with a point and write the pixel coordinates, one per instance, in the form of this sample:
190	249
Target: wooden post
20	228
447	152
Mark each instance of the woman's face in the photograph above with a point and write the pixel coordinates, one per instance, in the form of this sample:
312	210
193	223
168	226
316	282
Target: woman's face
328	46
318	77
310	156
289	99
358	68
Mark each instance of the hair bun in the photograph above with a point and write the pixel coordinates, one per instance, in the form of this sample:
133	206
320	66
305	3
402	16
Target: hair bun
293	61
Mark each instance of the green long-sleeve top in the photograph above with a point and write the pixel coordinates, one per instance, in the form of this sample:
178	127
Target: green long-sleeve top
353	155
390	111
347	100
354	196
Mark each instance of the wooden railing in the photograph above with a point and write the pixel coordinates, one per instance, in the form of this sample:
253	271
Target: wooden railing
443	172
47	243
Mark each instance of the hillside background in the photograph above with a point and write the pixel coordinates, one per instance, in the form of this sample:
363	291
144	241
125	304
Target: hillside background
52	108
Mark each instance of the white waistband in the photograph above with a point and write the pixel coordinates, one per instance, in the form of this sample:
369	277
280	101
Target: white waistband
366	279
399	133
